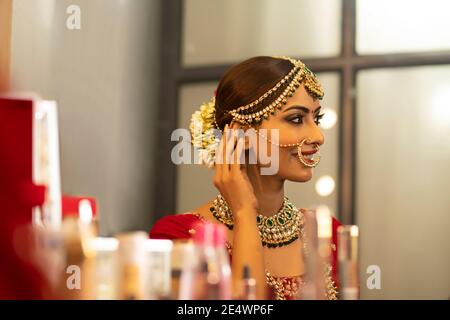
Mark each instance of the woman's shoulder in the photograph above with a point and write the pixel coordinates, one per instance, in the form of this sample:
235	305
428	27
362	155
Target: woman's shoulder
175	226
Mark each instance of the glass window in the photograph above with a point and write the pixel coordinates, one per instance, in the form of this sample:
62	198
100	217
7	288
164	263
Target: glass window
387	26
217	31
194	182
402	202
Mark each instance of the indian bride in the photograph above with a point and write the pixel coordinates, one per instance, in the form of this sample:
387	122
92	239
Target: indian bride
277	99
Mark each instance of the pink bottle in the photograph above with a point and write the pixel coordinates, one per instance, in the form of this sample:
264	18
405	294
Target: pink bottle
206	273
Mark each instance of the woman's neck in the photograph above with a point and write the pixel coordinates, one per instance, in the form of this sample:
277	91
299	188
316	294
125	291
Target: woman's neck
269	190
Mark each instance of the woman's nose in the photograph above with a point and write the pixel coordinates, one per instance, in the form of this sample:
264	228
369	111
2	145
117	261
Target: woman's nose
316	135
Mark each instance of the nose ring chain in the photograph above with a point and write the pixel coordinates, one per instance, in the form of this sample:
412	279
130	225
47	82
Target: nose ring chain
299	145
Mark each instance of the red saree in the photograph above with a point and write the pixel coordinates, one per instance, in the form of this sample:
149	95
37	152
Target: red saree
180	226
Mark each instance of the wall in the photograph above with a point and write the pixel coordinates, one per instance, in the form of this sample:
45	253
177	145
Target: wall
104	78
5	42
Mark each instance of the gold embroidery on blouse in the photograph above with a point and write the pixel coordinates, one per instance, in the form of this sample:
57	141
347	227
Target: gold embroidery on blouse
284	287
330	286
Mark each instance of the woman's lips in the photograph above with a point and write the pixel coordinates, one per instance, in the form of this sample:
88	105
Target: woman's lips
309	152
308	156
305	153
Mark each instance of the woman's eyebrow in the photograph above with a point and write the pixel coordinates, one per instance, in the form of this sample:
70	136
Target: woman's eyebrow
304	109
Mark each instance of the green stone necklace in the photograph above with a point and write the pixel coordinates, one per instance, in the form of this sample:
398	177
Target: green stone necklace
286	226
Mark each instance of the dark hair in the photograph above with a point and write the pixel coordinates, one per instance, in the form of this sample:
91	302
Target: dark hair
246	82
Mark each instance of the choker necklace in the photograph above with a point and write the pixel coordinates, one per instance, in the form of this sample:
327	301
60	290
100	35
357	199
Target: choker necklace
286	226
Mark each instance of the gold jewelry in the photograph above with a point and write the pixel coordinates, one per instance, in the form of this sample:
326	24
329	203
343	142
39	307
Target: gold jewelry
281	289
203	124
286	226
299	74
281	285
285	286
312	164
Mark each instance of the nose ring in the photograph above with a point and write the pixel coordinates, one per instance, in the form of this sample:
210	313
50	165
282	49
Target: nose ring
314	162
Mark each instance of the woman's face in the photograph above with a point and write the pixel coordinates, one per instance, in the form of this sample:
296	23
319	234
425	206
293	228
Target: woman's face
297	120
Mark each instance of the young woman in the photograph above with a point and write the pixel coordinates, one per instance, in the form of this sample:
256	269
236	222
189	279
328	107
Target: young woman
278	99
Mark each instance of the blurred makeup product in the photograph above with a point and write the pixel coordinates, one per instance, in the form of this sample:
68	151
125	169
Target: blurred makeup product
206	273
348	262
158	269
248	287
182	249
317	254
49	255
104	268
324	232
131	265
190	266
46	165
223	262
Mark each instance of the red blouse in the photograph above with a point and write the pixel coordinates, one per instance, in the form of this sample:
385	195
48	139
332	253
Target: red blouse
180	226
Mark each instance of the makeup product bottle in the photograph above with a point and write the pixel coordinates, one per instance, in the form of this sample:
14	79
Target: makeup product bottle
132	265
102	268
182	255
248	287
348	262
318	231
206	271
158	260
223	262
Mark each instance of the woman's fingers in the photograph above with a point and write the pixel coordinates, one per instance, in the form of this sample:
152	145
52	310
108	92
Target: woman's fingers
220	158
230	155
224	152
238	154
228	150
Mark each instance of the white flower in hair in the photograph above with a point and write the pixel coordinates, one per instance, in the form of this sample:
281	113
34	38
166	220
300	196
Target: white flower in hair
205	137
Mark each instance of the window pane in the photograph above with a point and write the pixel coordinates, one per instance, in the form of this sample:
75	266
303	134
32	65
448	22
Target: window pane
217	31
194	182
387	26
190	195
402	204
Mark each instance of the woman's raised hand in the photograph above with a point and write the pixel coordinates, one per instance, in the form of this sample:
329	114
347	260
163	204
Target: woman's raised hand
231	177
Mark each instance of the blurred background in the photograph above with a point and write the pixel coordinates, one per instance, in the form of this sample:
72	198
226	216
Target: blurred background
135	70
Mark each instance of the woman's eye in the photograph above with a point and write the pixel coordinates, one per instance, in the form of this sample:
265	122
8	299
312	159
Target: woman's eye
318	118
296	120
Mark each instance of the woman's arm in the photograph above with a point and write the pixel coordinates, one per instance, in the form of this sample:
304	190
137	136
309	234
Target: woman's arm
234	185
248	250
